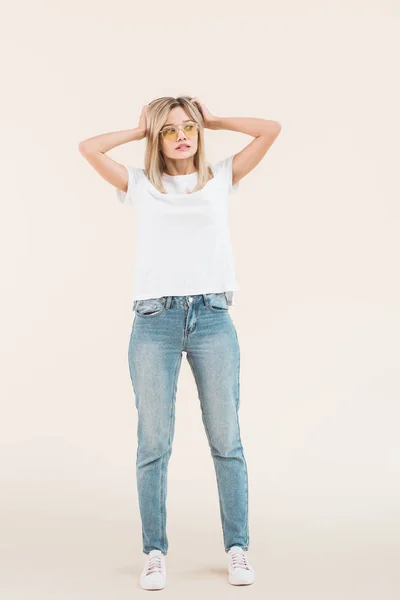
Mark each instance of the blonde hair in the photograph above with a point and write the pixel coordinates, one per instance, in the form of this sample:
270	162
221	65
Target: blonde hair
154	162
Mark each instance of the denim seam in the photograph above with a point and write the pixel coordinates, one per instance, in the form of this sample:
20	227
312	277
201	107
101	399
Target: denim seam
219	308
209	441
244	460
163	499
155	313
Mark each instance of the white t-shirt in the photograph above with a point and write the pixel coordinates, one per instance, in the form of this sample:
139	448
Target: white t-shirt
183	244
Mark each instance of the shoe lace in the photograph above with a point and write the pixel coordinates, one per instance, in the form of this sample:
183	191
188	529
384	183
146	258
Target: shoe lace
153	565
239	560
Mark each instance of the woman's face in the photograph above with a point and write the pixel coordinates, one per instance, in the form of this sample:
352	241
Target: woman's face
176	118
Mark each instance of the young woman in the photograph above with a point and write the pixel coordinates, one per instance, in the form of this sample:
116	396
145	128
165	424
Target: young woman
183	288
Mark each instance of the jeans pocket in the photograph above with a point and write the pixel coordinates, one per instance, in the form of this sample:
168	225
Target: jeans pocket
150	307
218	302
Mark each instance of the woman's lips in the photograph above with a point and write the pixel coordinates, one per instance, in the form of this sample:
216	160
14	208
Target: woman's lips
183	149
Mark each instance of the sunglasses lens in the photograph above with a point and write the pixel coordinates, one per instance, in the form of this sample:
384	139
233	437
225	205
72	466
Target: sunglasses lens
170	133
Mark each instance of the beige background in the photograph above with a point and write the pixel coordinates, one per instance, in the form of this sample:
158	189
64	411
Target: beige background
315	229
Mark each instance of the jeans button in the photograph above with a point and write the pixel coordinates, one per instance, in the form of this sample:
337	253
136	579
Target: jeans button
190	299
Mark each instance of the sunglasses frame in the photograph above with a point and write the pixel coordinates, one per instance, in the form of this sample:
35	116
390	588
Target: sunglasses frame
178	127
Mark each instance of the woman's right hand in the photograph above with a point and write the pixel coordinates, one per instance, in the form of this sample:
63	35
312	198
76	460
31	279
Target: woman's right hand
143	121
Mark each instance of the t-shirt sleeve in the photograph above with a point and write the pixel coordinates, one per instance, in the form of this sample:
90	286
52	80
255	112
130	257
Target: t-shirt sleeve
223	169
134	176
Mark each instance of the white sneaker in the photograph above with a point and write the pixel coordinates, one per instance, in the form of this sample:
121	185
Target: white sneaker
240	571
154	574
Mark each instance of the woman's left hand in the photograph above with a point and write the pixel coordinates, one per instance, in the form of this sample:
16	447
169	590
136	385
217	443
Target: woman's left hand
208	118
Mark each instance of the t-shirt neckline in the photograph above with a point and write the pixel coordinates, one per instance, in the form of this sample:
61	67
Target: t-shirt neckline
185	175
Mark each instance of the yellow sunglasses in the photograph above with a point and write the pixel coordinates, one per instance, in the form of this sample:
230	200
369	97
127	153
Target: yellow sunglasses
170	132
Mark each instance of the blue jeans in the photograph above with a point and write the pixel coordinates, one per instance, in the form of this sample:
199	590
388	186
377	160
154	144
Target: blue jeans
201	326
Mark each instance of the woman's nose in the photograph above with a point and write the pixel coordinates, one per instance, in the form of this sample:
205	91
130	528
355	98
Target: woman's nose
180	130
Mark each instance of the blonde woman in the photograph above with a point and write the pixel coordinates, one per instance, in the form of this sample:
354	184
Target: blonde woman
183	288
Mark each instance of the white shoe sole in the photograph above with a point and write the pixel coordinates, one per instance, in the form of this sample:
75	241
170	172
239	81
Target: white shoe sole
152	586
238	579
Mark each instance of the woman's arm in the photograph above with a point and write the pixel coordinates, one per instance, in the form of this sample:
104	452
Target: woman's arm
106	141
250	125
94	151
265	133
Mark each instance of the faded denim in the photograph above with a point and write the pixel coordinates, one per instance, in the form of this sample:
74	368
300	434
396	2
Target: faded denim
162	329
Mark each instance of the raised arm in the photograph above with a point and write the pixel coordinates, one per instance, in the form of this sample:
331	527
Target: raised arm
94	151
264	132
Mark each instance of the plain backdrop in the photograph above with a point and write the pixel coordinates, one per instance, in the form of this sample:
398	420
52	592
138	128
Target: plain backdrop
315	232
